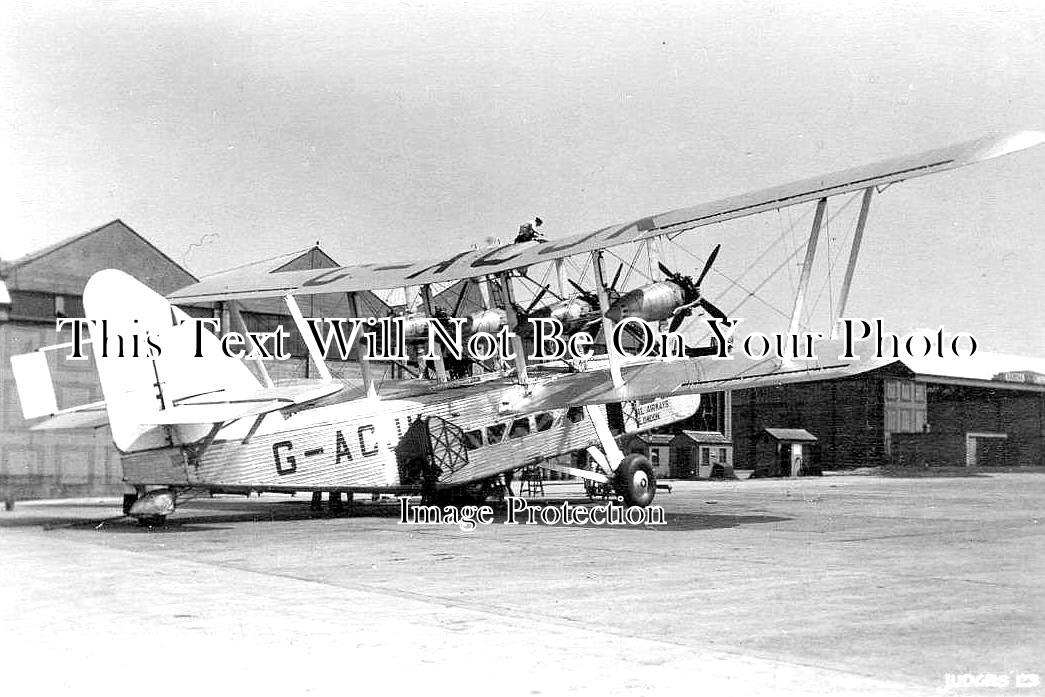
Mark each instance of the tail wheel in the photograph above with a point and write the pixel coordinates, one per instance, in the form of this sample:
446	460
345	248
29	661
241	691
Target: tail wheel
635	482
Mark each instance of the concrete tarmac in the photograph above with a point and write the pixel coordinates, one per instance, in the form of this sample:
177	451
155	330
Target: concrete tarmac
835	585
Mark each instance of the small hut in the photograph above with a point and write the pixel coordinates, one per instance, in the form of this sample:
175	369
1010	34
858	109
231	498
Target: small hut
785	452
701	455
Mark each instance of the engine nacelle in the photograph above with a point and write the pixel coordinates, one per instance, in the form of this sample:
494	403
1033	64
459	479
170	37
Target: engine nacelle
573	314
653	303
415	328
487	321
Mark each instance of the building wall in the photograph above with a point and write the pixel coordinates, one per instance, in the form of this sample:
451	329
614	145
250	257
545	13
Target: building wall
43	286
886	416
41	464
846	415
905	408
660	459
690	459
954	412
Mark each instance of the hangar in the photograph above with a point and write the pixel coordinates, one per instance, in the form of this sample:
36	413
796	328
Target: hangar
41	287
985	410
48	284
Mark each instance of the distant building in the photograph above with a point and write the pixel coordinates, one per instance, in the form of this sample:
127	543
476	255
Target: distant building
911	413
41	287
47	284
701	455
784	452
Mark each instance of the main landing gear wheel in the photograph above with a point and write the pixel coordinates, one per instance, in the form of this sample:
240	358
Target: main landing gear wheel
471	494
635	482
476	493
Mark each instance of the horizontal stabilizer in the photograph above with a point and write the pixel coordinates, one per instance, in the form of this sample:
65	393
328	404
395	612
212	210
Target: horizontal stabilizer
288	395
221	408
210	413
34	384
87	417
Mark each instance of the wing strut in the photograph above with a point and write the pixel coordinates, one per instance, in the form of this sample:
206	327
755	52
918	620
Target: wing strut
440	364
513	321
306	336
607	323
361	349
807	266
233	308
854	253
610	450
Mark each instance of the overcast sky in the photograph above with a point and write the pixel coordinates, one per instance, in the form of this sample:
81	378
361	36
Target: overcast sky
400	130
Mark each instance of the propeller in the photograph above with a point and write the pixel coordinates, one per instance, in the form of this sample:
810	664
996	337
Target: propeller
522	315
460	298
691	295
591	297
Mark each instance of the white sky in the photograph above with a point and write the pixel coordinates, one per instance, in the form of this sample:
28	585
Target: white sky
402	130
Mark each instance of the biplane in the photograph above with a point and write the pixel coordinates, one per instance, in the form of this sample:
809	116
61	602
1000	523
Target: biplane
186	424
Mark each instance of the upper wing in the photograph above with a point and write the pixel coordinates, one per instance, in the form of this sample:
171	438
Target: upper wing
250	283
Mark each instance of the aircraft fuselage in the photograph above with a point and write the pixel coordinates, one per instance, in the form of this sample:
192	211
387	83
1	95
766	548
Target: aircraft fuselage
376	445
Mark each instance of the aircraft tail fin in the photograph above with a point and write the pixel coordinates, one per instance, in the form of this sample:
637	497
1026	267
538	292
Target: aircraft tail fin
145	350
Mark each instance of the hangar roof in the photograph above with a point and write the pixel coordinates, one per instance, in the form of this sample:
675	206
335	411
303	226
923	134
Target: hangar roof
65	266
983	365
705	437
979	370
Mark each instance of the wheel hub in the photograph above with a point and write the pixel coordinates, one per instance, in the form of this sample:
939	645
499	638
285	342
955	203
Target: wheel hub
640	480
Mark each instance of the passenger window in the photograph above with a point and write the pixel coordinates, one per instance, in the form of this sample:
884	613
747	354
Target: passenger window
520	428
473	439
575	414
494	434
544	421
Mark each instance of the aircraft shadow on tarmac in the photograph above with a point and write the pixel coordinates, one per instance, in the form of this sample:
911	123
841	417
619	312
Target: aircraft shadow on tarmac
203	515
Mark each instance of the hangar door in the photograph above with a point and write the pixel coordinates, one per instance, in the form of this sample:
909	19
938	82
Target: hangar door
986	449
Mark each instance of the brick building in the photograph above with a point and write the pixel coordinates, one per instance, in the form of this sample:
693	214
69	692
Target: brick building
981	410
47	284
40	287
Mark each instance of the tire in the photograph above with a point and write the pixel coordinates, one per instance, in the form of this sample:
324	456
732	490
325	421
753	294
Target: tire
635	482
475	493
471	494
